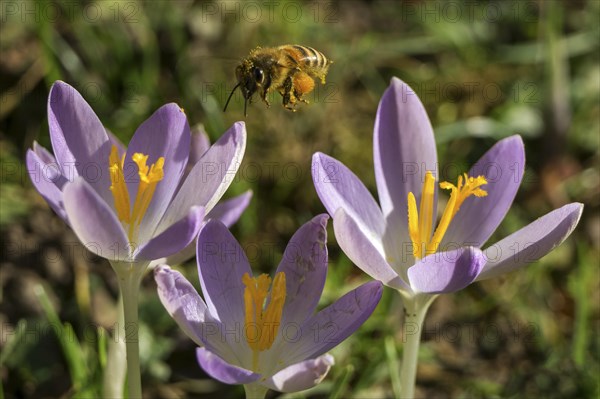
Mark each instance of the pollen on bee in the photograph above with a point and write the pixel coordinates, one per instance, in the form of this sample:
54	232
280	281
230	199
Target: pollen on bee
303	83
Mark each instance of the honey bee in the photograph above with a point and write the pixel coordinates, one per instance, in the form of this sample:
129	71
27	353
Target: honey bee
289	69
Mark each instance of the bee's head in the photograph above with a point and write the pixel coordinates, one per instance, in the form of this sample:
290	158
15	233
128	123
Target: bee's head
249	78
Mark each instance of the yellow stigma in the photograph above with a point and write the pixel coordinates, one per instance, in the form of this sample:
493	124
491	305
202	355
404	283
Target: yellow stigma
420	223
149	178
262	323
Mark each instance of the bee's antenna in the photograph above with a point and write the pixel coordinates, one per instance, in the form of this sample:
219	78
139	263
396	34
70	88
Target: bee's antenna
229	98
245	103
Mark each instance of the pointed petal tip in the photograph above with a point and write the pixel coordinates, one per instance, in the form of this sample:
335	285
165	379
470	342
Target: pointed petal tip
161	269
517	141
400	88
321	219
60	84
173	106
317	155
321	157
376	286
396	82
533	241
58	89
173	109
239	129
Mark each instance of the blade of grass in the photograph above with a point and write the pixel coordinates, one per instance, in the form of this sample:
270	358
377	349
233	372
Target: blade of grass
341	385
12	340
102	346
581	290
68	340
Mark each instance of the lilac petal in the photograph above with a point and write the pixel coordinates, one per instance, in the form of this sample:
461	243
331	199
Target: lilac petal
211	176
79	140
364	250
165	134
182	301
199	145
222	371
175	238
531	242
329	327
52	170
221	265
300	376
46	157
444	272
229	211
338	187
190	312
47	180
304	263
478	217
94	222
178	257
404	149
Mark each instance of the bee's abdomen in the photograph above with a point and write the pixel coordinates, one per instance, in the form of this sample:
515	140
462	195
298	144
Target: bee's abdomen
308	56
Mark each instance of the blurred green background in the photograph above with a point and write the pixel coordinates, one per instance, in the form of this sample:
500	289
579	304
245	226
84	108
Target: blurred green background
484	70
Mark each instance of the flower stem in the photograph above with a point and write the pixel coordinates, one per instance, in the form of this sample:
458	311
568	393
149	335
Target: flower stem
129	283
116	364
414	314
255	391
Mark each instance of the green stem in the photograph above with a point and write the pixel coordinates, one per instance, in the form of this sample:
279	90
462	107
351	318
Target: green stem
255	391
129	283
116	362
414	314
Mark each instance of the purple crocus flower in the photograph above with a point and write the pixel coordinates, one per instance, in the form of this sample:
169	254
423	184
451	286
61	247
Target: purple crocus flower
398	242
131	205
426	260
257	333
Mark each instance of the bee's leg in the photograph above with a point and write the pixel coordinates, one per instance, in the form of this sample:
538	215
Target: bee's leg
289	99
299	97
264	98
265	91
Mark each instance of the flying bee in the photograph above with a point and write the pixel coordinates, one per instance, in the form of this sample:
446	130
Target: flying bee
290	69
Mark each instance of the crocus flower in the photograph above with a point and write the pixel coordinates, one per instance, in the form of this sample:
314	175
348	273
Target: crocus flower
398	243
260	332
130	205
